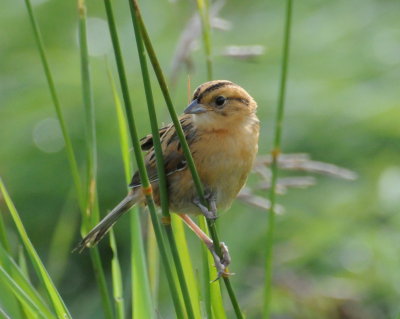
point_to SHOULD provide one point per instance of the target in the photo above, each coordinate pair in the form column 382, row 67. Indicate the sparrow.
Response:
column 222, row 130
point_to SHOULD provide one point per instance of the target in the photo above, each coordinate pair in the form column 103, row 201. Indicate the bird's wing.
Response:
column 174, row 160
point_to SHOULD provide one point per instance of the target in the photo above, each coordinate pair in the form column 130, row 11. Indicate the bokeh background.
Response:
column 337, row 244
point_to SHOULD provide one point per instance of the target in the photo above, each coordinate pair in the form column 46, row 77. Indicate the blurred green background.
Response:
column 337, row 245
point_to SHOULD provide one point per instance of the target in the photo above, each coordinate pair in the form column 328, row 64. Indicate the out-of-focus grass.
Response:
column 336, row 250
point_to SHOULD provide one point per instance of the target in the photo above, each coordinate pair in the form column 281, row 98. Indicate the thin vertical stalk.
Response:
column 68, row 144
column 90, row 215
column 185, row 147
column 209, row 291
column 141, row 298
column 146, row 186
column 203, row 8
column 162, row 179
column 69, row 149
column 274, row 165
column 90, row 126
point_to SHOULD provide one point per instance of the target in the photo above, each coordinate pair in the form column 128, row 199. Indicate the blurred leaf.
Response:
column 41, row 272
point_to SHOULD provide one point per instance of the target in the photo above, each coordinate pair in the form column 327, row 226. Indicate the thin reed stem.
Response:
column 203, row 8
column 98, row 269
column 162, row 179
column 90, row 215
column 274, row 166
column 68, row 144
column 185, row 146
column 146, row 186
column 203, row 11
column 141, row 299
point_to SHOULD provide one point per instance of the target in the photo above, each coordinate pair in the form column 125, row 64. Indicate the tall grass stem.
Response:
column 90, row 215
column 146, row 186
column 182, row 139
column 162, row 179
column 68, row 144
column 274, row 166
column 141, row 299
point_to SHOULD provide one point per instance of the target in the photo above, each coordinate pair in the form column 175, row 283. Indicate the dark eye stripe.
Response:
column 196, row 93
column 211, row 88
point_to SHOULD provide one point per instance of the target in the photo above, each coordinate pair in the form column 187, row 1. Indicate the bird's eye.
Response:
column 220, row 100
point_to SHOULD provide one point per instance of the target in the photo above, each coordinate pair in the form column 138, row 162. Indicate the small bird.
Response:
column 221, row 129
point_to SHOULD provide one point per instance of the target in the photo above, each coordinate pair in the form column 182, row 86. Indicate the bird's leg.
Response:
column 220, row 263
column 210, row 197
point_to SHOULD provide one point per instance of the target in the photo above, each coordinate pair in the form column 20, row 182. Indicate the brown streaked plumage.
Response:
column 222, row 130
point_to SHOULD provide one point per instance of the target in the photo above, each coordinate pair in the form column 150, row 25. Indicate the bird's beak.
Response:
column 195, row 108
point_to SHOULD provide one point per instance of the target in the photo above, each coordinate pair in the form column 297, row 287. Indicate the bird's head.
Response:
column 218, row 104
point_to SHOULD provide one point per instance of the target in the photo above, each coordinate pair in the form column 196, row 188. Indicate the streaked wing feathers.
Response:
column 174, row 160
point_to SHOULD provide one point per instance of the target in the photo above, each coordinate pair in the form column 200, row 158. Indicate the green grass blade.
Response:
column 206, row 288
column 180, row 237
column 13, row 305
column 211, row 292
column 162, row 179
column 58, row 304
column 23, row 265
column 140, row 160
column 90, row 135
column 21, row 295
column 117, row 280
column 214, row 290
column 4, row 315
column 68, row 144
column 153, row 262
column 19, row 276
column 3, row 233
column 122, row 130
column 141, row 298
column 185, row 147
column 203, row 9
column 142, row 303
column 91, row 214
column 274, row 166
column 62, row 239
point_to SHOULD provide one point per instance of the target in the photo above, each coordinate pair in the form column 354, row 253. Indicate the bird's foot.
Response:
column 210, row 197
column 221, row 264
column 209, row 214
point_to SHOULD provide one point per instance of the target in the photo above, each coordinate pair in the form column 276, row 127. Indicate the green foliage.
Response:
column 335, row 252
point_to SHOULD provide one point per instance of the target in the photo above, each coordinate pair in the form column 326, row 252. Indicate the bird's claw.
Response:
column 221, row 264
column 210, row 197
column 209, row 214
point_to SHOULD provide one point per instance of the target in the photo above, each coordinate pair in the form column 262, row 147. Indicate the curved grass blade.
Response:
column 13, row 305
column 58, row 304
column 20, row 279
column 21, row 295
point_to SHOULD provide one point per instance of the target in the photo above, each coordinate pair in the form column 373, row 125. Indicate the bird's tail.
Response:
column 98, row 232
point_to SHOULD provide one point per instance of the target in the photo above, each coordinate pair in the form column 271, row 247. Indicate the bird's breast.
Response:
column 224, row 159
